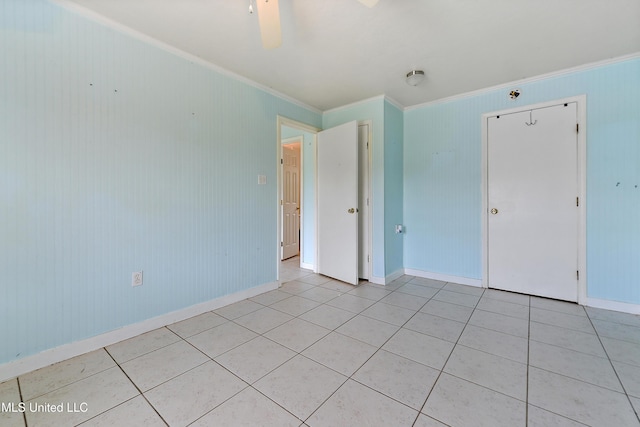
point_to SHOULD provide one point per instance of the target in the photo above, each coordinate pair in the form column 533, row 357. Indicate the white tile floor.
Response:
column 317, row 352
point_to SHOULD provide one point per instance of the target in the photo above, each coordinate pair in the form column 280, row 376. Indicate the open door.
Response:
column 338, row 202
column 290, row 200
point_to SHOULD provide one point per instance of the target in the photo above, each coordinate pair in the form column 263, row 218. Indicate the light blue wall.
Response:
column 369, row 110
column 308, row 192
column 442, row 160
column 393, row 183
column 116, row 156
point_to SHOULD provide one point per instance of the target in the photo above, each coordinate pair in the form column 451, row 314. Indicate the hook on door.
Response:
column 531, row 121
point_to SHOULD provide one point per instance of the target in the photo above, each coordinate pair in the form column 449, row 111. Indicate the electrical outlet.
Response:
column 136, row 278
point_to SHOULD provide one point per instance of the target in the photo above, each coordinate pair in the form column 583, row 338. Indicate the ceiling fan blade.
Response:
column 369, row 3
column 269, row 19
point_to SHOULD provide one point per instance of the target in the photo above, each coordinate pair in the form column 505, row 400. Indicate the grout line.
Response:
column 379, row 347
column 24, row 414
column 615, row 371
column 452, row 350
column 210, row 360
column 66, row 384
column 148, row 352
column 328, row 397
column 350, row 377
column 276, row 403
column 137, row 388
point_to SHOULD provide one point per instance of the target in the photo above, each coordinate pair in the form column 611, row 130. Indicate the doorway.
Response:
column 308, row 215
column 291, row 192
column 290, row 132
column 533, row 216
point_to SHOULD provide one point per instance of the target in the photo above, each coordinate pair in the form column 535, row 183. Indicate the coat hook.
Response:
column 531, row 122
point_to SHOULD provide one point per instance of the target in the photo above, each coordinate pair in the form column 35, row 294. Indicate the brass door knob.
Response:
column 494, row 211
column 352, row 210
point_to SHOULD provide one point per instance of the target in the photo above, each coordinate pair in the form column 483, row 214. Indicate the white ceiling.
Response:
column 336, row 52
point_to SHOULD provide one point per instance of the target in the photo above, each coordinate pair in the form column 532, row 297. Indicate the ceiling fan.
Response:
column 269, row 20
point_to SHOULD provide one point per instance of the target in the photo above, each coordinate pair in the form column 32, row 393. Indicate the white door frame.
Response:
column 284, row 121
column 367, row 172
column 581, row 102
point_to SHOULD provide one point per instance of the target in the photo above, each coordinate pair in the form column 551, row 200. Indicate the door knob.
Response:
column 494, row 211
column 352, row 210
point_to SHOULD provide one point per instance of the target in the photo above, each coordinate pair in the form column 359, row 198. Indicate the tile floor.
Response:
column 317, row 352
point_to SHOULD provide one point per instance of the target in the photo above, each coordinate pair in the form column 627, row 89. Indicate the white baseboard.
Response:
column 393, row 276
column 444, row 277
column 613, row 305
column 48, row 357
column 377, row 280
column 387, row 279
column 307, row 266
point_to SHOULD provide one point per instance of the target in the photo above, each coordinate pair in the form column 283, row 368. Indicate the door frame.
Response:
column 284, row 121
column 295, row 139
column 369, row 225
column 581, row 102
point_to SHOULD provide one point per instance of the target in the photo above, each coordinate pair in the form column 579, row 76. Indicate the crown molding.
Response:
column 355, row 104
column 74, row 7
column 528, row 80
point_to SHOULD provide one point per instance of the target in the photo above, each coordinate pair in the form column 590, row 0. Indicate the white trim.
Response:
column 377, row 280
column 387, row 279
column 369, row 123
column 301, row 199
column 394, row 103
column 444, row 277
column 623, row 307
column 581, row 102
column 516, row 83
column 299, row 139
column 582, row 194
column 102, row 20
column 395, row 275
column 54, row 355
column 355, row 104
column 284, row 121
column 121, row 28
column 306, row 266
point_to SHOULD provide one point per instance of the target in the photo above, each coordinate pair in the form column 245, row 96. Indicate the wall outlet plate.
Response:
column 136, row 278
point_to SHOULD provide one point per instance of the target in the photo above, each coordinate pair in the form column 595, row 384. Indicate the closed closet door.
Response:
column 532, row 190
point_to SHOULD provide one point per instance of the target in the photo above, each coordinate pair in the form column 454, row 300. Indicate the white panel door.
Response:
column 532, row 194
column 338, row 202
column 290, row 200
